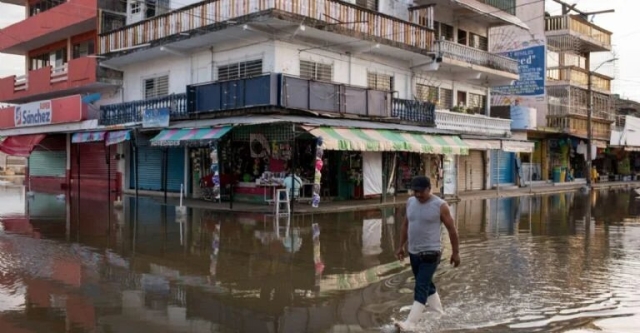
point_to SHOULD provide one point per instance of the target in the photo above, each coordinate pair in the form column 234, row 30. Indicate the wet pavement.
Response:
column 557, row 263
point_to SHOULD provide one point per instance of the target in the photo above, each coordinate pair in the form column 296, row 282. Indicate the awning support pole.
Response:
column 165, row 171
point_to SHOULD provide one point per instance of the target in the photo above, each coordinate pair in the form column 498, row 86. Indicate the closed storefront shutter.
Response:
column 502, row 167
column 93, row 162
column 150, row 169
column 49, row 158
column 44, row 163
column 463, row 170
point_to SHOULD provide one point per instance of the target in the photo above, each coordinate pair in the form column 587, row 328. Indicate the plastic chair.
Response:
column 280, row 193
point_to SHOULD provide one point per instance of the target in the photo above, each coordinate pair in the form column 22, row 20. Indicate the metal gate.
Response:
column 150, row 167
column 502, row 167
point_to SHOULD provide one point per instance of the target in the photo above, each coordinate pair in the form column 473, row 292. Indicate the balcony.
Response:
column 217, row 21
column 413, row 111
column 490, row 13
column 77, row 76
column 472, row 123
column 578, row 77
column 70, row 18
column 477, row 64
column 132, row 112
column 578, row 127
column 556, row 109
column 562, row 31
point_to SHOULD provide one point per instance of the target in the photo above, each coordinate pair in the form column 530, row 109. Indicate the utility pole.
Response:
column 589, row 116
column 589, row 131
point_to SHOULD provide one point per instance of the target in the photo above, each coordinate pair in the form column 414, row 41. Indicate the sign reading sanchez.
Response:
column 33, row 114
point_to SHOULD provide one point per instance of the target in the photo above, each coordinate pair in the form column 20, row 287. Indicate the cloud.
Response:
column 10, row 64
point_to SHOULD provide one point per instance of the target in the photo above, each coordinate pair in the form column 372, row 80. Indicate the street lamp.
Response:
column 589, row 116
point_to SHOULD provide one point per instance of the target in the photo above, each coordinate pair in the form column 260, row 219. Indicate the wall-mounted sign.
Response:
column 156, row 118
column 33, row 114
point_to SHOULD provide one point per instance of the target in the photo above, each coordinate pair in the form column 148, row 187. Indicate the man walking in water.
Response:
column 421, row 228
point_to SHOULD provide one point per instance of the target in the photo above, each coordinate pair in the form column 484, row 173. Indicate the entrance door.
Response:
column 471, row 171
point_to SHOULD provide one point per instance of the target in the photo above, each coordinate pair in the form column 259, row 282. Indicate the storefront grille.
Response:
column 272, row 132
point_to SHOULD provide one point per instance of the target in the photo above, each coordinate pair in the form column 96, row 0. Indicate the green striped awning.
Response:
column 357, row 139
column 172, row 137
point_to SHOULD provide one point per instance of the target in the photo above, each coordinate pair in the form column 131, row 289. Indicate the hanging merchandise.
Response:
column 215, row 172
column 318, row 175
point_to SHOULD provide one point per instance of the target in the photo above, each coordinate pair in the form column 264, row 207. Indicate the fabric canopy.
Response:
column 356, row 139
column 172, row 137
column 87, row 137
column 21, row 145
column 116, row 137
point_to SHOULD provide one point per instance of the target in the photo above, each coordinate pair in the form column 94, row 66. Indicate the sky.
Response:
column 626, row 70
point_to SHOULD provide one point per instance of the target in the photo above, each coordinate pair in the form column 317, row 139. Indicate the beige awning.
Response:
column 482, row 144
column 501, row 17
column 513, row 146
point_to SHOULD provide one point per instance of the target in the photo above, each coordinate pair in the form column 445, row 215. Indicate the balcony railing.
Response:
column 58, row 74
column 472, row 123
column 413, row 111
column 572, row 23
column 478, row 57
column 579, row 77
column 336, row 15
column 132, row 112
column 578, row 127
column 560, row 110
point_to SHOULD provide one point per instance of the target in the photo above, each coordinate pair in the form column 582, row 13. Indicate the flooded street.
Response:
column 560, row 263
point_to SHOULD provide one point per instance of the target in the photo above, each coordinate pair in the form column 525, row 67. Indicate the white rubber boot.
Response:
column 413, row 319
column 434, row 303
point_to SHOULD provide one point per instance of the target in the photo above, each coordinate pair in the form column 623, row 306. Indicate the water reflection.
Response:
column 530, row 264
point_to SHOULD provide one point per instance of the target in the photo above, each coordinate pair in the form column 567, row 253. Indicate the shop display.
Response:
column 315, row 202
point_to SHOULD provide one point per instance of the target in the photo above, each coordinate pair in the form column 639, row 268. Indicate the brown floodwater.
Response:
column 567, row 262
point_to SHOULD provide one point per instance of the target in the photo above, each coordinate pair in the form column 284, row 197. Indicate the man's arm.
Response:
column 404, row 236
column 447, row 220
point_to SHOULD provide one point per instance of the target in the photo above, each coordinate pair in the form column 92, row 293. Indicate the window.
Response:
column 156, row 87
column 380, row 81
column 446, row 99
column 135, row 7
column 462, row 98
column 477, row 102
column 443, row 31
column 316, row 71
column 83, row 49
column 462, row 37
column 240, row 70
column 478, row 42
column 43, row 6
column 54, row 59
column 426, row 93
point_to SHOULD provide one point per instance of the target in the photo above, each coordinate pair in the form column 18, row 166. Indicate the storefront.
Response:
column 47, row 166
column 471, row 171
column 40, row 127
column 94, row 165
column 256, row 159
column 372, row 162
column 173, row 155
column 502, row 168
column 159, row 168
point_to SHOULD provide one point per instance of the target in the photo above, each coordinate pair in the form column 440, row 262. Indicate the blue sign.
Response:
column 520, row 117
column 532, row 70
column 156, row 118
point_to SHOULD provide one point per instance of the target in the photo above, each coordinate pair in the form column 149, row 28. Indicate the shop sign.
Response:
column 33, row 114
column 156, row 118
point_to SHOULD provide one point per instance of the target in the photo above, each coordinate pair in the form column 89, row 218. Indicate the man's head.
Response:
column 421, row 187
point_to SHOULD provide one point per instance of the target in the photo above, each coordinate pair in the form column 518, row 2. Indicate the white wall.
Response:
column 279, row 57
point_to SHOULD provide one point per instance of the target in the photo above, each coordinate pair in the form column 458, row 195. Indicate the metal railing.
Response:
column 478, row 57
column 580, row 26
column 472, row 123
column 132, row 112
column 348, row 16
column 413, row 111
column 560, row 110
column 58, row 74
